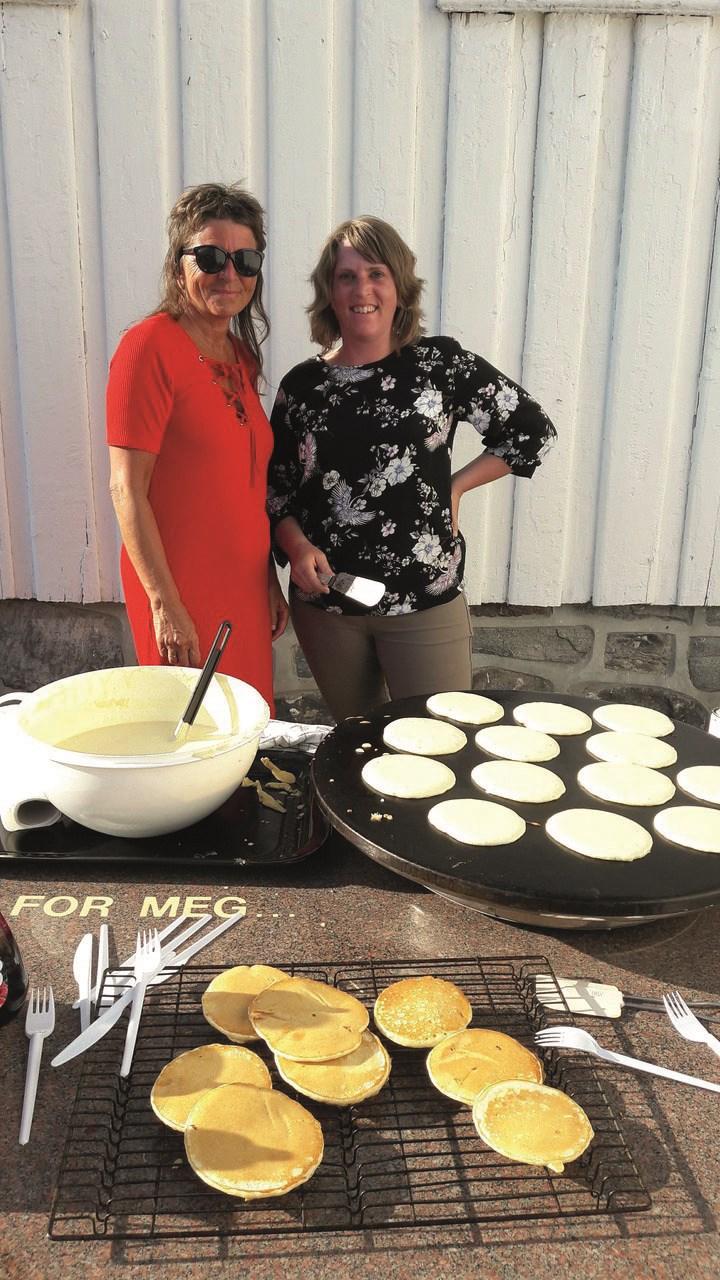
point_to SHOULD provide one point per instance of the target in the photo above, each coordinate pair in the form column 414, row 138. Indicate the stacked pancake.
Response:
column 513, row 1112
column 242, row 1136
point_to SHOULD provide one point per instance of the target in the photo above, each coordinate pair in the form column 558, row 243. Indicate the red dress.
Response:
column 207, row 491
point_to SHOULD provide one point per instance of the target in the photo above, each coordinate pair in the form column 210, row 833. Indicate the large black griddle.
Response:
column 532, row 881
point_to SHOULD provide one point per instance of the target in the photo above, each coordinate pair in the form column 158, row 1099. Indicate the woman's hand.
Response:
column 279, row 612
column 175, row 635
column 310, row 569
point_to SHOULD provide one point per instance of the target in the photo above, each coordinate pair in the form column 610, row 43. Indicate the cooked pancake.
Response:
column 552, row 717
column 409, row 777
column 184, row 1080
column 341, row 1082
column 467, row 708
column 626, row 783
column 479, row 822
column 308, row 1021
column 626, row 717
column 252, row 1142
column 532, row 1123
column 464, row 1064
column 690, row 825
column 595, row 833
column 422, row 736
column 631, row 748
column 515, row 780
column 701, row 781
column 226, row 1001
column 511, row 742
column 420, row 1012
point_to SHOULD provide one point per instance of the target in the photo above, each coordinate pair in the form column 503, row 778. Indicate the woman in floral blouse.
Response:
column 360, row 478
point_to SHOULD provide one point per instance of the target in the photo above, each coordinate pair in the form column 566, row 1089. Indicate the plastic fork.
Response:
column 147, row 956
column 574, row 1038
column 39, row 1023
column 685, row 1022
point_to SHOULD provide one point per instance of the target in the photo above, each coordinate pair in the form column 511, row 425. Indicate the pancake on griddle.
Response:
column 407, row 777
column 532, row 1124
column 628, row 717
column 516, row 780
column 631, row 784
column 597, row 833
column 513, row 742
column 226, row 1001
column 466, row 708
column 308, row 1021
column 693, row 826
column 631, row 748
column 184, row 1080
column 422, row 736
column 552, row 717
column 464, row 1064
column 252, row 1142
column 419, row 1012
column 341, row 1082
column 477, row 822
column 701, row 781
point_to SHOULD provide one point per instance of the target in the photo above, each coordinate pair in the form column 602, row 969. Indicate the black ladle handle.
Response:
column 206, row 675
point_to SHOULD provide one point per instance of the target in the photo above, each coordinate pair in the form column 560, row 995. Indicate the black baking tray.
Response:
column 242, row 832
column 532, row 880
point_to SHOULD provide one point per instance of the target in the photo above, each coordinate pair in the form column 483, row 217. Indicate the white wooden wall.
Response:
column 555, row 168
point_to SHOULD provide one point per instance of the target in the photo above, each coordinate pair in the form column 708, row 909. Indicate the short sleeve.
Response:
column 511, row 423
column 139, row 392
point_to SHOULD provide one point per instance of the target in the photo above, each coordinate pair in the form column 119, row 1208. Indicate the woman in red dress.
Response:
column 190, row 444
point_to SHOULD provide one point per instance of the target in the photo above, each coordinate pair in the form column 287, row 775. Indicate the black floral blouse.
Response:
column 362, row 461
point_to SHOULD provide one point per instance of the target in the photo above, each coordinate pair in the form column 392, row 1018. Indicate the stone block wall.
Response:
column 664, row 657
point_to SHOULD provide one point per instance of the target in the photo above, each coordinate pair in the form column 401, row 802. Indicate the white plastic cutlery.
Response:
column 82, row 973
column 147, row 956
column 686, row 1024
column 39, row 1023
column 116, row 982
column 171, row 959
column 574, row 1038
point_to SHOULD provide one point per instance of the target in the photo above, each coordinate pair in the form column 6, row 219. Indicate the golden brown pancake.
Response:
column 184, row 1080
column 225, row 1002
column 252, row 1142
column 308, row 1021
column 464, row 1064
column 341, row 1082
column 532, row 1124
column 419, row 1012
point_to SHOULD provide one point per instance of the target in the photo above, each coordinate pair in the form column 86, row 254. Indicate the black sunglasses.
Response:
column 211, row 259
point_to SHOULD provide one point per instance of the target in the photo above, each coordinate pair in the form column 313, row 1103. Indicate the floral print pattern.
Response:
column 362, row 461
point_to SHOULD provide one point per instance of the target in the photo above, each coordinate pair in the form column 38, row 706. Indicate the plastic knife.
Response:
column 171, row 959
column 82, row 973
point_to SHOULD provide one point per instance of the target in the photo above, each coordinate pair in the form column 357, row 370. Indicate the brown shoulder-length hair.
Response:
column 192, row 210
column 376, row 241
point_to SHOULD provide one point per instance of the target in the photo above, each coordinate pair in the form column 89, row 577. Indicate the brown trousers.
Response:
column 358, row 662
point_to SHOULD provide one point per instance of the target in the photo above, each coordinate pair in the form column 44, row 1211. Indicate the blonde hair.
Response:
column 191, row 212
column 376, row 241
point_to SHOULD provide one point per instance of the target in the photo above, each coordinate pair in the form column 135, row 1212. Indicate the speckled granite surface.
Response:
column 339, row 906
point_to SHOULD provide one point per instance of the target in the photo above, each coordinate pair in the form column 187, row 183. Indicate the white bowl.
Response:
column 141, row 794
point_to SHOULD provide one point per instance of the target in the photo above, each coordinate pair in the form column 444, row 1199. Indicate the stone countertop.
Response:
column 339, row 906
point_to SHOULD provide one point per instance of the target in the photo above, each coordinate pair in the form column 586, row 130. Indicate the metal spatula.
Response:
column 364, row 591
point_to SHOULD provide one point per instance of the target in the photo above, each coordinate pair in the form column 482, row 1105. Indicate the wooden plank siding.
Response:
column 554, row 167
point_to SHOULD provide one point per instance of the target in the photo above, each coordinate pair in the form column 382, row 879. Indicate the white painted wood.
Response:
column 672, row 8
column 491, row 130
column 659, row 315
column 42, row 243
column 554, row 171
column 385, row 101
column 576, row 216
column 700, row 560
column 300, row 177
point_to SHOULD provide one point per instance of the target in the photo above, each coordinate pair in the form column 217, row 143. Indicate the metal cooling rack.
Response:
column 408, row 1157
